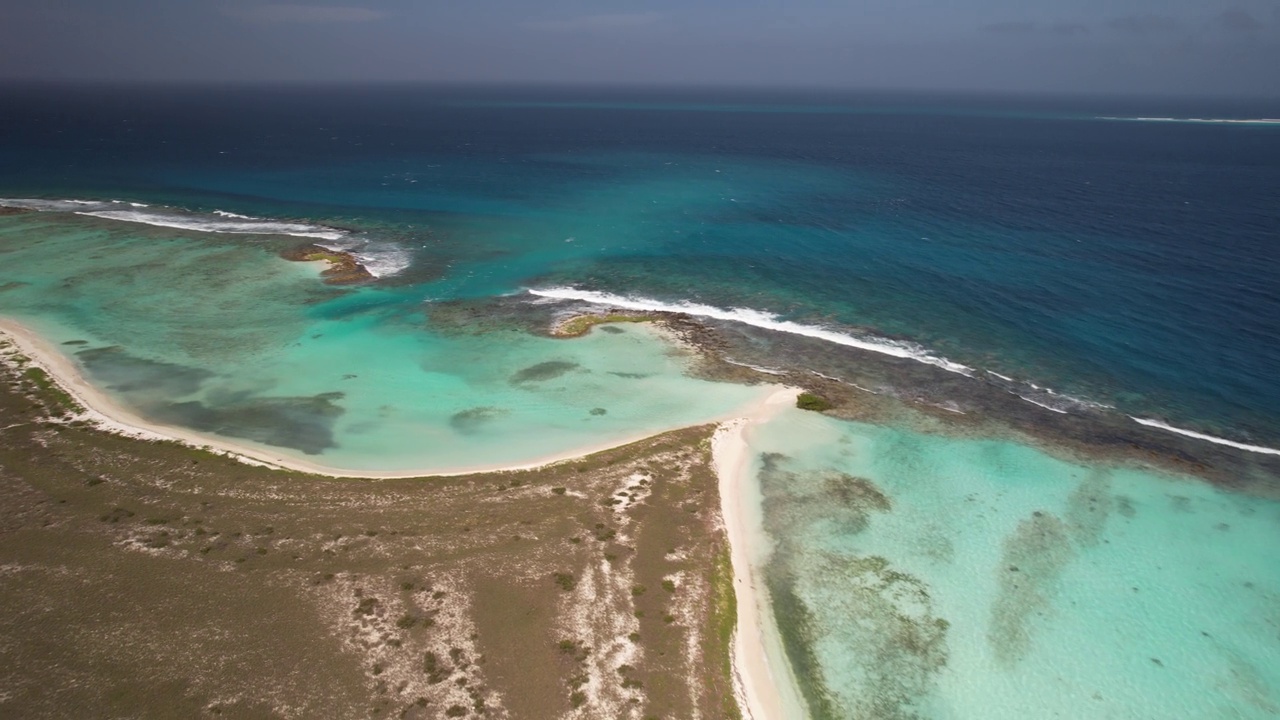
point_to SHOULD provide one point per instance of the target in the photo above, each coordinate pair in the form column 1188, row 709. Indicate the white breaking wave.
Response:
column 169, row 217
column 843, row 382
column 757, row 318
column 381, row 259
column 1046, row 407
column 1207, row 438
column 757, row 368
column 1222, row 121
column 49, row 205
column 204, row 224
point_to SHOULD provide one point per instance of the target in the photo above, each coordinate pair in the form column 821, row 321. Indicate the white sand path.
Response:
column 763, row 678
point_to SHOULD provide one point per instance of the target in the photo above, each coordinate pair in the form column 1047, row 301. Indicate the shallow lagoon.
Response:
column 227, row 339
column 924, row 576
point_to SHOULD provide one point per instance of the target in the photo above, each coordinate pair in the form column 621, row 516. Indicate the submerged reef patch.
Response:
column 473, row 419
column 1089, row 506
column 877, row 621
column 549, row 370
column 1033, row 559
column 844, row 500
column 122, row 372
column 301, row 423
column 863, row 637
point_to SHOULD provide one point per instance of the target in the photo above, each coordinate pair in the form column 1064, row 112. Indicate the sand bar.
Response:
column 762, row 676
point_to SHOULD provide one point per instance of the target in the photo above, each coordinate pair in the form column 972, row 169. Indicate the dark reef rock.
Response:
column 344, row 268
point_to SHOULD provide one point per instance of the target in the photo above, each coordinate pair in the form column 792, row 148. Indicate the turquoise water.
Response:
column 964, row 254
column 226, row 338
column 924, row 576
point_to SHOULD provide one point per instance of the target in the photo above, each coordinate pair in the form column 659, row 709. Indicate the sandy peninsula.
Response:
column 764, row 690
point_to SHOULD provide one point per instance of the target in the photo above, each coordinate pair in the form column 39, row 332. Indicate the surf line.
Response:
column 1207, row 438
column 755, row 318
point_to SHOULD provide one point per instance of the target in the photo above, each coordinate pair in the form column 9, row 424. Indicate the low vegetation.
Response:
column 809, row 401
column 150, row 579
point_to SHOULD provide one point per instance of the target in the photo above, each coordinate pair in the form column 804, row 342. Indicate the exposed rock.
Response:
column 344, row 268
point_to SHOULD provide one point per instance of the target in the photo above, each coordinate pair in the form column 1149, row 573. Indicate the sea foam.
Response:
column 1208, row 121
column 224, row 222
column 1207, row 438
column 756, row 318
column 205, row 224
column 381, row 259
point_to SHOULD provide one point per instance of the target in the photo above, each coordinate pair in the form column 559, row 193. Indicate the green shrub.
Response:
column 809, row 401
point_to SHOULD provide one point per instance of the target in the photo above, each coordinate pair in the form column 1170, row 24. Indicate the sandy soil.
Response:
column 765, row 687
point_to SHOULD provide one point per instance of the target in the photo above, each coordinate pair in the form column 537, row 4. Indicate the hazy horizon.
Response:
column 1174, row 47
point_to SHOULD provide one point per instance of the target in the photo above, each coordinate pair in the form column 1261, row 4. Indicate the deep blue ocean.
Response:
column 1066, row 242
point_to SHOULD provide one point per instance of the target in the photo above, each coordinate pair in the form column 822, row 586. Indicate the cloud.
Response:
column 1237, row 20
column 1069, row 29
column 1010, row 28
column 596, row 22
column 1027, row 28
column 290, row 13
column 1144, row 24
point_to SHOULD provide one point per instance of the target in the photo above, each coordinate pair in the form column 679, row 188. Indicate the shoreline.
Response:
column 759, row 695
column 762, row 676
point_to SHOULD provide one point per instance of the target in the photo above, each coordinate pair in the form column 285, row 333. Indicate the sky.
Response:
column 1230, row 47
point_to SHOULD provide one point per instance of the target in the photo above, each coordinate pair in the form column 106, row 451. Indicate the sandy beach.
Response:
column 762, row 675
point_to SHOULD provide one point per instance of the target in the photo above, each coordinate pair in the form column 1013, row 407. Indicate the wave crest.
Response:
column 381, row 259
column 1262, row 449
column 756, row 318
column 1198, row 121
column 200, row 223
